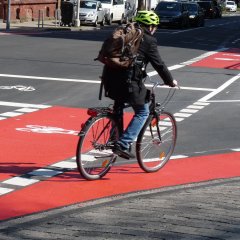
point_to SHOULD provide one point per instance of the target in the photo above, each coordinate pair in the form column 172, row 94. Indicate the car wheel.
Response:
column 109, row 21
column 121, row 21
column 103, row 22
column 203, row 23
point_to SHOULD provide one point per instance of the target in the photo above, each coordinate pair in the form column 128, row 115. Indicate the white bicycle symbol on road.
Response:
column 19, row 87
column 46, row 129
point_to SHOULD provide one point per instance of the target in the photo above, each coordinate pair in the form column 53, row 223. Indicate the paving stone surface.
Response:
column 209, row 210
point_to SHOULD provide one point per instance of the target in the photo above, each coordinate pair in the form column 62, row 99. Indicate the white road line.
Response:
column 201, row 103
column 65, row 164
column 178, row 156
column 219, row 89
column 23, row 105
column 189, row 110
column 223, row 101
column 10, row 114
column 195, row 107
column 185, row 115
column 49, row 78
column 27, row 110
column 98, row 81
column 5, row 190
column 21, row 181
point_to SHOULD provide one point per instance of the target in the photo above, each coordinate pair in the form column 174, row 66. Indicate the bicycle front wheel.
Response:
column 156, row 142
column 94, row 156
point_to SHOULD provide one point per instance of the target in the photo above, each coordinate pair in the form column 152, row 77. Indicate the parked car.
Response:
column 130, row 12
column 196, row 14
column 172, row 13
column 231, row 6
column 211, row 8
column 91, row 12
column 115, row 10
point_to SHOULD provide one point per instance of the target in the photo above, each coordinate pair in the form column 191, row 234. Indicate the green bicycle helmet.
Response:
column 147, row 18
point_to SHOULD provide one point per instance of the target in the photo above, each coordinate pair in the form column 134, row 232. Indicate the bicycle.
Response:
column 154, row 146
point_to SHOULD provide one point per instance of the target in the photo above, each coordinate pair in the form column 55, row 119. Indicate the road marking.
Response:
column 219, row 89
column 227, row 59
column 5, row 190
column 50, row 78
column 23, row 105
column 19, row 88
column 20, row 181
column 223, row 101
column 11, row 114
column 189, row 110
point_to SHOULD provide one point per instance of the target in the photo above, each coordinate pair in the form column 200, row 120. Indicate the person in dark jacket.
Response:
column 118, row 88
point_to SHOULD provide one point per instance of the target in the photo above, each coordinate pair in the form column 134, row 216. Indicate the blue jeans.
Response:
column 141, row 113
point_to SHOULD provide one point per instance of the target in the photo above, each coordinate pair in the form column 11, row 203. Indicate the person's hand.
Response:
column 174, row 83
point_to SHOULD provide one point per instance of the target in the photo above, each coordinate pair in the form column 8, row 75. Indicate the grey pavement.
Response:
column 207, row 210
column 35, row 26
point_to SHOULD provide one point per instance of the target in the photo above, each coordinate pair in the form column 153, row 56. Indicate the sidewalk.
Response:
column 49, row 25
column 206, row 210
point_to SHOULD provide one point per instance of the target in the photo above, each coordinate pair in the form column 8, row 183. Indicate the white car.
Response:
column 91, row 12
column 115, row 10
column 231, row 6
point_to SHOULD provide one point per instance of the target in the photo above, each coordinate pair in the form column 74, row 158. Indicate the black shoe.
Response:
column 122, row 152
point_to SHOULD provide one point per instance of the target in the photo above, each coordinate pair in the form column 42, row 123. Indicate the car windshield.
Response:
column 192, row 7
column 88, row 4
column 168, row 6
column 230, row 3
column 106, row 1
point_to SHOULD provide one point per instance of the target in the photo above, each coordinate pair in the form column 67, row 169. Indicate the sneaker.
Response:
column 122, row 152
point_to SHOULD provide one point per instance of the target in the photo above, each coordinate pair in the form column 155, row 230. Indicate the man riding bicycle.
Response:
column 136, row 94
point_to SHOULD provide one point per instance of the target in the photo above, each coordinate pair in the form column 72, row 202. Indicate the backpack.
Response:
column 120, row 49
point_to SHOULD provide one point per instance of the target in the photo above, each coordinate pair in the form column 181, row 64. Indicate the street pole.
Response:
column 8, row 15
column 77, row 20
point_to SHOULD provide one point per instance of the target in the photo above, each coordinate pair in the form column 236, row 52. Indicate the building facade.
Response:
column 28, row 10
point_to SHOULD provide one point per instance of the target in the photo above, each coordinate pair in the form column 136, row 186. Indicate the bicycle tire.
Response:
column 156, row 141
column 94, row 156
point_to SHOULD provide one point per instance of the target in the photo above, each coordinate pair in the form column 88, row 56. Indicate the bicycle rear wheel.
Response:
column 94, row 156
column 156, row 142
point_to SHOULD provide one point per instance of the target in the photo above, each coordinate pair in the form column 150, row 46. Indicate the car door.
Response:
column 118, row 9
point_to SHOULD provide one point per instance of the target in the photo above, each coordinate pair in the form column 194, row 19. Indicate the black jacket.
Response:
column 115, row 84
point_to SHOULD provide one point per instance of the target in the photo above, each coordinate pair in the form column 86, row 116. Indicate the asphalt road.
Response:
column 48, row 79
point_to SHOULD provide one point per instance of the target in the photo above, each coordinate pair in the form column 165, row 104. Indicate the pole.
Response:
column 77, row 20
column 8, row 15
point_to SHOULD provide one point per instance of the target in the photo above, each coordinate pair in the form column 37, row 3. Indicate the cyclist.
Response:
column 118, row 88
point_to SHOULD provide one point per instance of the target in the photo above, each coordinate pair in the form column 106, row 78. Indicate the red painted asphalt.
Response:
column 69, row 188
column 228, row 59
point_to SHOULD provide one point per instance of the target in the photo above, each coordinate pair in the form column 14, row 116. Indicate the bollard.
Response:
column 40, row 18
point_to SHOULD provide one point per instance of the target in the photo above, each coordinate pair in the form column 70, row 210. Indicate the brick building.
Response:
column 28, row 10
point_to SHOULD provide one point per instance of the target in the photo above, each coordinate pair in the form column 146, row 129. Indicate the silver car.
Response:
column 91, row 12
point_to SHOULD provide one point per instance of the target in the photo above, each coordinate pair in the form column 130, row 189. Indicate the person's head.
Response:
column 148, row 19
